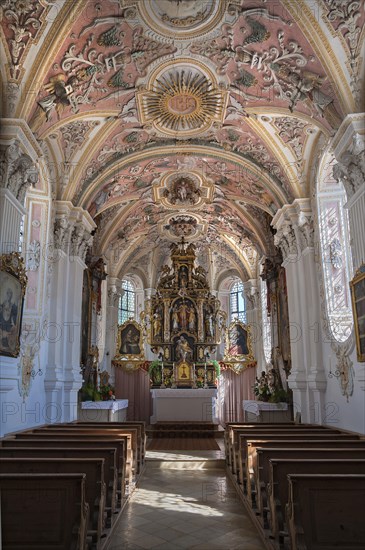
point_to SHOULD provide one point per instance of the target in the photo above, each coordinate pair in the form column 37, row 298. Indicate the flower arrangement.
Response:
column 106, row 392
column 265, row 389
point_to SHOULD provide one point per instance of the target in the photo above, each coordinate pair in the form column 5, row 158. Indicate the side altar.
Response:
column 185, row 323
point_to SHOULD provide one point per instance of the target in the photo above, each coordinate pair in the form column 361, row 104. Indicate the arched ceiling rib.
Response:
column 169, row 119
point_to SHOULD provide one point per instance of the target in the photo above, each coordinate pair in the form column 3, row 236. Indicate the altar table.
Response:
column 104, row 411
column 195, row 405
column 261, row 411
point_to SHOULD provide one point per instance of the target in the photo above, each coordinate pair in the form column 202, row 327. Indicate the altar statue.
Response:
column 183, row 350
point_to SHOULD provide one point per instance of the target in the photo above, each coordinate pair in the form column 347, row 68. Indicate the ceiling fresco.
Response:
column 173, row 118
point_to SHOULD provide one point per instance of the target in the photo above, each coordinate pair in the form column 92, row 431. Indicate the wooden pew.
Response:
column 231, row 427
column 278, row 488
column 326, row 512
column 108, row 429
column 140, row 424
column 129, row 435
column 94, row 483
column 45, row 511
column 108, row 455
column 243, row 463
column 30, row 440
column 264, row 455
column 238, row 435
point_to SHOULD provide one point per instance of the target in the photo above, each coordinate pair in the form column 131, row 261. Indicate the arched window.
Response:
column 335, row 253
column 127, row 302
column 266, row 322
column 237, row 302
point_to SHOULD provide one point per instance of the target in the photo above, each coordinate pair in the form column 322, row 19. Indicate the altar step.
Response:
column 185, row 430
column 187, row 464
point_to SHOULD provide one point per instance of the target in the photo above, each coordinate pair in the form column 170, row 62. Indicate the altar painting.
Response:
column 130, row 342
column 238, row 343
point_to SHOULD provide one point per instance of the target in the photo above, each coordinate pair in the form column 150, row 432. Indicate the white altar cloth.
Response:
column 104, row 411
column 261, row 411
column 197, row 405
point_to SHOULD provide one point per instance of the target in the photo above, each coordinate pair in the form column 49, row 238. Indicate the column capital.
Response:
column 348, row 146
column 18, row 171
column 73, row 228
column 251, row 293
column 115, row 291
column 294, row 226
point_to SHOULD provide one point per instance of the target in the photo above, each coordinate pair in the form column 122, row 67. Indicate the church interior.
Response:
column 182, row 274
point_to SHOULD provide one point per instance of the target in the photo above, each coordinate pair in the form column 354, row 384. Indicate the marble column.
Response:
column 295, row 237
column 72, row 238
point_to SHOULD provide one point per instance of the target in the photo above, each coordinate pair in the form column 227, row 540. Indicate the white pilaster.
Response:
column 72, row 237
column 294, row 225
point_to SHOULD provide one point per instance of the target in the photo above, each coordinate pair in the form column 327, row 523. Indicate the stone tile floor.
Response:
column 182, row 501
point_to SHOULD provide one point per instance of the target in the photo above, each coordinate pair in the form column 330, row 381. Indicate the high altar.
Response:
column 186, row 322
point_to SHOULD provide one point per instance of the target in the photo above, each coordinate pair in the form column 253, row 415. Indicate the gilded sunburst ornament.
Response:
column 183, row 101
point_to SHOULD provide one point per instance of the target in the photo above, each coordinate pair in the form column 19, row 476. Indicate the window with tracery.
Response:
column 335, row 254
column 266, row 323
column 237, row 302
column 127, row 302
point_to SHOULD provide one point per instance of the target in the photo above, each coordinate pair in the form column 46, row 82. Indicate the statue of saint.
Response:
column 183, row 350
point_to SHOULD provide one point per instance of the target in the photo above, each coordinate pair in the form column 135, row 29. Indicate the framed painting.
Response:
column 130, row 341
column 238, row 343
column 357, row 286
column 13, row 281
column 283, row 316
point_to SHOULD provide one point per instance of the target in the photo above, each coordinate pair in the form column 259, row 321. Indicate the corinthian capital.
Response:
column 17, row 170
column 294, row 228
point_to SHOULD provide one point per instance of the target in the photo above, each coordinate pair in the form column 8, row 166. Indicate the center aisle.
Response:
column 185, row 500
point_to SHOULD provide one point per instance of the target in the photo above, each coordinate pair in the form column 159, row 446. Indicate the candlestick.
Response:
column 162, row 377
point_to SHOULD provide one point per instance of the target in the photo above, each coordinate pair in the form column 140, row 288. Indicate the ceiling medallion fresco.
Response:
column 182, row 101
column 175, row 227
column 181, row 191
column 181, row 19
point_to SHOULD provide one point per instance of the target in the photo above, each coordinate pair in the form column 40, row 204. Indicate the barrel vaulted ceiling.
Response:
column 171, row 118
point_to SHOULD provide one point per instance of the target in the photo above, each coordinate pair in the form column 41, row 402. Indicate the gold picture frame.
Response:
column 13, row 282
column 238, row 343
column 130, row 344
column 357, row 287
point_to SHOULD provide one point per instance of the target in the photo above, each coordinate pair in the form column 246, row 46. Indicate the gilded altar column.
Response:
column 200, row 320
column 307, row 379
column 166, row 317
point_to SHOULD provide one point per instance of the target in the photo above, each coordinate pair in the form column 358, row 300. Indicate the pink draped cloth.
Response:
column 135, row 387
column 232, row 391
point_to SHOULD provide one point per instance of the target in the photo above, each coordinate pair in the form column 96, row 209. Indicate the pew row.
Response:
column 94, row 483
column 108, row 455
column 64, row 431
column 326, row 511
column 141, row 435
column 278, row 487
column 61, row 443
column 43, row 511
column 254, row 483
